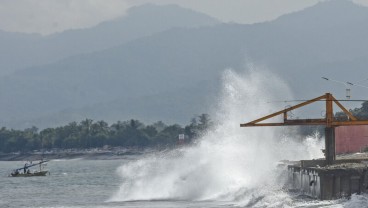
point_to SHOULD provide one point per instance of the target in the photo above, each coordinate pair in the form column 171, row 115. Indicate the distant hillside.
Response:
column 22, row 50
column 171, row 75
column 177, row 106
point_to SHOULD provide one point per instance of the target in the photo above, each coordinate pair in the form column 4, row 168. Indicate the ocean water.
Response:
column 74, row 183
column 228, row 167
column 98, row 184
column 71, row 183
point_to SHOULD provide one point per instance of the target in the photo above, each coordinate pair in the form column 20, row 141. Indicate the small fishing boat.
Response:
column 26, row 172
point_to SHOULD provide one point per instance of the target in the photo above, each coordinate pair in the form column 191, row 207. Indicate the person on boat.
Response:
column 25, row 168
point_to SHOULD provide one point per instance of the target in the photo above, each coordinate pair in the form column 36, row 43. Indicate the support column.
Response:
column 330, row 145
column 329, row 131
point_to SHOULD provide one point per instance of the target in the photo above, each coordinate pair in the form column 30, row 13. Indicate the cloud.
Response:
column 49, row 16
column 361, row 2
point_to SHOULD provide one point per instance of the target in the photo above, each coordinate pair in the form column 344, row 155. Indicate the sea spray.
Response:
column 228, row 163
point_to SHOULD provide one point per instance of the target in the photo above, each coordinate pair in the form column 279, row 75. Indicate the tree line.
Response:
column 130, row 133
column 95, row 134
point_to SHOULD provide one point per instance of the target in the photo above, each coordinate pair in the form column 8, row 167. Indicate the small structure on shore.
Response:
column 329, row 178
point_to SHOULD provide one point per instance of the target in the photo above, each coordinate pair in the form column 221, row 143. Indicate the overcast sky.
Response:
column 49, row 16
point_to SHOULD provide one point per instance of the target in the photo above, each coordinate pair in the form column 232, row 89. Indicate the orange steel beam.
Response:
column 328, row 121
column 301, row 122
column 329, row 110
column 349, row 123
column 348, row 113
column 283, row 111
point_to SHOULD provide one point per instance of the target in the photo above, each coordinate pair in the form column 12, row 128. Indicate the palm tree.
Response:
column 85, row 126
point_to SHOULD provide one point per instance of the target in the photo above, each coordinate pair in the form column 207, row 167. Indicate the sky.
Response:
column 50, row 16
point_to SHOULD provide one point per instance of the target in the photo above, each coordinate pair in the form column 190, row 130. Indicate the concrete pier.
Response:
column 341, row 179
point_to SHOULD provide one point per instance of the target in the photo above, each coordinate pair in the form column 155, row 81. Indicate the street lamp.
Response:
column 355, row 84
column 344, row 83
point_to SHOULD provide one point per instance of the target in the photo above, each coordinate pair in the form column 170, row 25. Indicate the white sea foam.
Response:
column 229, row 163
column 356, row 201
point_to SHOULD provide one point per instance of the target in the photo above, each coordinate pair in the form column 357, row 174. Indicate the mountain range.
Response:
column 168, row 68
column 25, row 50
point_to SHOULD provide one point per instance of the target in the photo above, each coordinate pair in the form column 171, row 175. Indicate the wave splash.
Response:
column 228, row 163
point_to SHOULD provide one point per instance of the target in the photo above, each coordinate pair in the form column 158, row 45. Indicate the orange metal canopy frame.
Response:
column 328, row 121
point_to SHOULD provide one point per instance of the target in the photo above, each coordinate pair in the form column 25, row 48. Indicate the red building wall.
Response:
column 350, row 139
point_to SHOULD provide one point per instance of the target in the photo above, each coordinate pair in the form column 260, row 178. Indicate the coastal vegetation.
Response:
column 95, row 134
column 130, row 133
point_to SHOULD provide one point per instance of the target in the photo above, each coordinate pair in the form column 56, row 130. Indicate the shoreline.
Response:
column 95, row 154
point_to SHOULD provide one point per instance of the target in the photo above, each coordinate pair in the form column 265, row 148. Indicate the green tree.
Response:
column 169, row 136
column 99, row 133
column 47, row 137
column 85, row 126
column 197, row 128
column 133, row 136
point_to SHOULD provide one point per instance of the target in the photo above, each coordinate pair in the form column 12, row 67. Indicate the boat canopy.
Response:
column 31, row 165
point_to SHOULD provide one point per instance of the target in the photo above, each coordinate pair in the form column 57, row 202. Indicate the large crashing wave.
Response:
column 228, row 163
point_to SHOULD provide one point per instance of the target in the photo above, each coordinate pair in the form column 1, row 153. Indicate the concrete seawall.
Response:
column 345, row 177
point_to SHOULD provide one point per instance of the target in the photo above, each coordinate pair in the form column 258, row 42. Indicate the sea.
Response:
column 228, row 166
column 99, row 183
